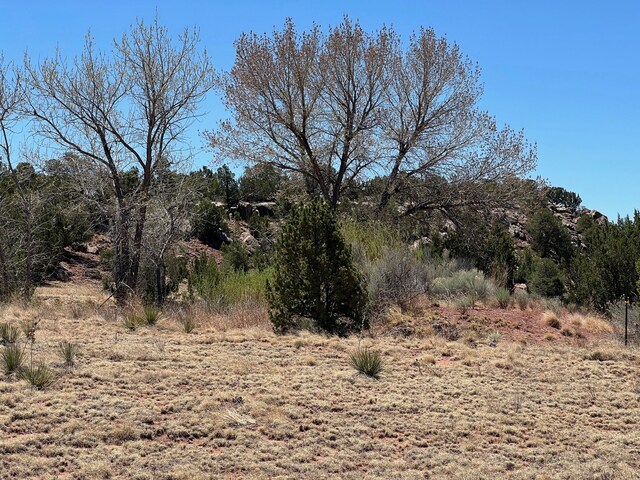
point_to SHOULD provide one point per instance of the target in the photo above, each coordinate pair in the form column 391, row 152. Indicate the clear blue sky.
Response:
column 567, row 72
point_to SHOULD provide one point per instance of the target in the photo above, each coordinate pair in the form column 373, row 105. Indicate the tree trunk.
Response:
column 122, row 254
column 137, row 245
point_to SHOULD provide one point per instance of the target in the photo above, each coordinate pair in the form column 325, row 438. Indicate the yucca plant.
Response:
column 132, row 321
column 151, row 315
column 39, row 376
column 12, row 358
column 9, row 334
column 493, row 338
column 68, row 352
column 367, row 362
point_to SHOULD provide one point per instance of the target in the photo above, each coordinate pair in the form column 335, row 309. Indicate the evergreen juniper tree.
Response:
column 314, row 276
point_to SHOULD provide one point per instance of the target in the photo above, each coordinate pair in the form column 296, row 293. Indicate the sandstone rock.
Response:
column 266, row 209
column 249, row 241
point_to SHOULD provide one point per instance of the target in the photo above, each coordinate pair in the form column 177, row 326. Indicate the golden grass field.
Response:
column 222, row 402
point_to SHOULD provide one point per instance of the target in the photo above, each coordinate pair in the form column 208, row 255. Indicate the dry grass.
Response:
column 224, row 402
column 551, row 319
column 590, row 323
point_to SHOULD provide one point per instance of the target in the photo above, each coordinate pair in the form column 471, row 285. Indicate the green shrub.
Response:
column 235, row 257
column 560, row 196
column 503, row 297
column 260, row 183
column 39, row 376
column 367, row 362
column 464, row 303
column 12, row 358
column 370, row 241
column 546, row 278
column 220, row 289
column 106, row 257
column 314, row 276
column 522, row 299
column 549, row 237
column 68, row 352
column 235, row 287
column 204, row 279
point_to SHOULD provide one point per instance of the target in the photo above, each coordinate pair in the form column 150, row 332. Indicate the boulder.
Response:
column 266, row 209
column 249, row 241
column 62, row 274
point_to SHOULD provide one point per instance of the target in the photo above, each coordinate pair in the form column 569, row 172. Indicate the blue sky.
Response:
column 566, row 72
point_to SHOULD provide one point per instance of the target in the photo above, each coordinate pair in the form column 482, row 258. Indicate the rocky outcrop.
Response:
column 516, row 221
column 246, row 209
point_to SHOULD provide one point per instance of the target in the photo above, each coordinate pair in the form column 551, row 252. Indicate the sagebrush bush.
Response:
column 68, row 352
column 522, row 299
column 464, row 303
column 12, row 358
column 39, row 376
column 367, row 361
column 463, row 282
column 397, row 277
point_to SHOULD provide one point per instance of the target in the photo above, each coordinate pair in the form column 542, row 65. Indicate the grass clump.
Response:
column 551, row 319
column 9, row 334
column 502, row 297
column 12, row 359
column 367, row 362
column 522, row 299
column 151, row 315
column 68, row 352
column 493, row 339
column 464, row 303
column 188, row 324
column 463, row 282
column 132, row 321
column 39, row 376
column 601, row 356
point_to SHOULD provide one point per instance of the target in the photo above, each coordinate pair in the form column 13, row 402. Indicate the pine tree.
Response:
column 314, row 276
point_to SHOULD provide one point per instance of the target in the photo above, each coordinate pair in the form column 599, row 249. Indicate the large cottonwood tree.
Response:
column 128, row 107
column 345, row 105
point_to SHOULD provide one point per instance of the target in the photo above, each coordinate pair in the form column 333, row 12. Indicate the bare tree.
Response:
column 17, row 241
column 125, row 108
column 307, row 103
column 348, row 105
